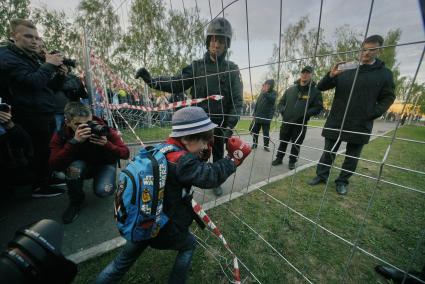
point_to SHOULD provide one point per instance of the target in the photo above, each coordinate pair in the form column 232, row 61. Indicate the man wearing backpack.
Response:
column 210, row 75
column 85, row 147
column 192, row 131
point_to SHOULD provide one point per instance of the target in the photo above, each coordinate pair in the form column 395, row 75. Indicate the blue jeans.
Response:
column 103, row 179
column 59, row 120
column 185, row 245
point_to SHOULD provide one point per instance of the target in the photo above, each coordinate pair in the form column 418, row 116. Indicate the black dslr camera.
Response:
column 98, row 129
column 34, row 256
column 66, row 61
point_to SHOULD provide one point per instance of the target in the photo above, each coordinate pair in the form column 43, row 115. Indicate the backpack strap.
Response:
column 133, row 181
column 155, row 172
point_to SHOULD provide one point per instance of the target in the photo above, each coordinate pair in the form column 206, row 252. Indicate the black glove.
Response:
column 144, row 74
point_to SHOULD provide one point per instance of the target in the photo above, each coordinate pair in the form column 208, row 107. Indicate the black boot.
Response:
column 277, row 161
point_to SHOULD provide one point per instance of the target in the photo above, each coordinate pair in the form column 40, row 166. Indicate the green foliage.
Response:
column 102, row 25
column 162, row 40
column 11, row 9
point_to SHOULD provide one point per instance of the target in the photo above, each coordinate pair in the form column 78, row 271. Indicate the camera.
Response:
column 66, row 61
column 34, row 256
column 4, row 107
column 98, row 129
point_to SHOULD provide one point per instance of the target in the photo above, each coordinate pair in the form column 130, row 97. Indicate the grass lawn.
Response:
column 157, row 133
column 392, row 229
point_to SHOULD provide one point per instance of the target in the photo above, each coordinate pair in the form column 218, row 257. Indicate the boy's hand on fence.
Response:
column 144, row 74
column 237, row 150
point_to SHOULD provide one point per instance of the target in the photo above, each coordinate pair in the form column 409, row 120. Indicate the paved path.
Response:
column 96, row 224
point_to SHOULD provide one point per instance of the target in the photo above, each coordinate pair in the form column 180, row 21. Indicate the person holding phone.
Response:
column 360, row 97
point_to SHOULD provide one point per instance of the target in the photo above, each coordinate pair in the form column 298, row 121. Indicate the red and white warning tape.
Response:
column 206, row 219
column 165, row 107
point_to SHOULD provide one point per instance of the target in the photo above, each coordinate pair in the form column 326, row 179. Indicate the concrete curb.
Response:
column 117, row 242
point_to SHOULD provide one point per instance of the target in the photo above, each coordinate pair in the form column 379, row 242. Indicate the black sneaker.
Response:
column 277, row 161
column 46, row 191
column 71, row 213
column 266, row 148
column 54, row 181
column 291, row 165
column 57, row 179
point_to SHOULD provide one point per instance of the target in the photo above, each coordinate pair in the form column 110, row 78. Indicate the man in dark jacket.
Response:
column 15, row 153
column 211, row 75
column 298, row 104
column 372, row 95
column 84, row 151
column 30, row 97
column 263, row 114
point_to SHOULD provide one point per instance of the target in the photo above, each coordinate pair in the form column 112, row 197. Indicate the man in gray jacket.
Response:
column 299, row 102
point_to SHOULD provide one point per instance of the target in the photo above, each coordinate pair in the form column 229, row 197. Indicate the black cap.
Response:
column 308, row 69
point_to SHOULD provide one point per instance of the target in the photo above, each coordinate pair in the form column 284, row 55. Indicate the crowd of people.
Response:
column 45, row 128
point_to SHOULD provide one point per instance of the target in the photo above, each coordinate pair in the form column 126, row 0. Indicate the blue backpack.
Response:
column 140, row 196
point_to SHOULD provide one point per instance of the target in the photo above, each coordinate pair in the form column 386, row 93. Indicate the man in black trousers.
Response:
column 263, row 114
column 300, row 98
column 371, row 97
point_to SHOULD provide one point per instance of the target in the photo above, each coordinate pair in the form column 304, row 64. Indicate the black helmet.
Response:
column 219, row 27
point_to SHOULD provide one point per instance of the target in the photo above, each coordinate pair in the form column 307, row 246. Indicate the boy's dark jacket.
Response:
column 184, row 171
column 64, row 153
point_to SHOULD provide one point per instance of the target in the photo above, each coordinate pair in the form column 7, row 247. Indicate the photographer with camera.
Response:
column 85, row 147
column 66, row 86
column 29, row 95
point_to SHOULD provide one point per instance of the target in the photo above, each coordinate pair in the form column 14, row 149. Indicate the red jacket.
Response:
column 63, row 153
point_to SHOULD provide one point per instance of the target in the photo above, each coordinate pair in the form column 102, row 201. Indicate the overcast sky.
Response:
column 263, row 21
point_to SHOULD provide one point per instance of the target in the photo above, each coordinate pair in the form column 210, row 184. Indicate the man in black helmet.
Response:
column 211, row 75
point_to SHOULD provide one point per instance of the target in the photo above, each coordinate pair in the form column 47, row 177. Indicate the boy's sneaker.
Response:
column 291, row 165
column 57, row 179
column 46, row 191
column 266, row 148
column 71, row 213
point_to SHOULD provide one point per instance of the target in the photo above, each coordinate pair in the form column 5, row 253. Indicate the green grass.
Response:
column 157, row 133
column 393, row 226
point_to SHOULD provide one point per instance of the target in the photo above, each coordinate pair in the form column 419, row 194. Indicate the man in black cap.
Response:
column 299, row 102
column 263, row 113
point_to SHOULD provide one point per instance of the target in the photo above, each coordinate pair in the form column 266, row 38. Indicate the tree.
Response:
column 102, row 23
column 10, row 9
column 160, row 40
